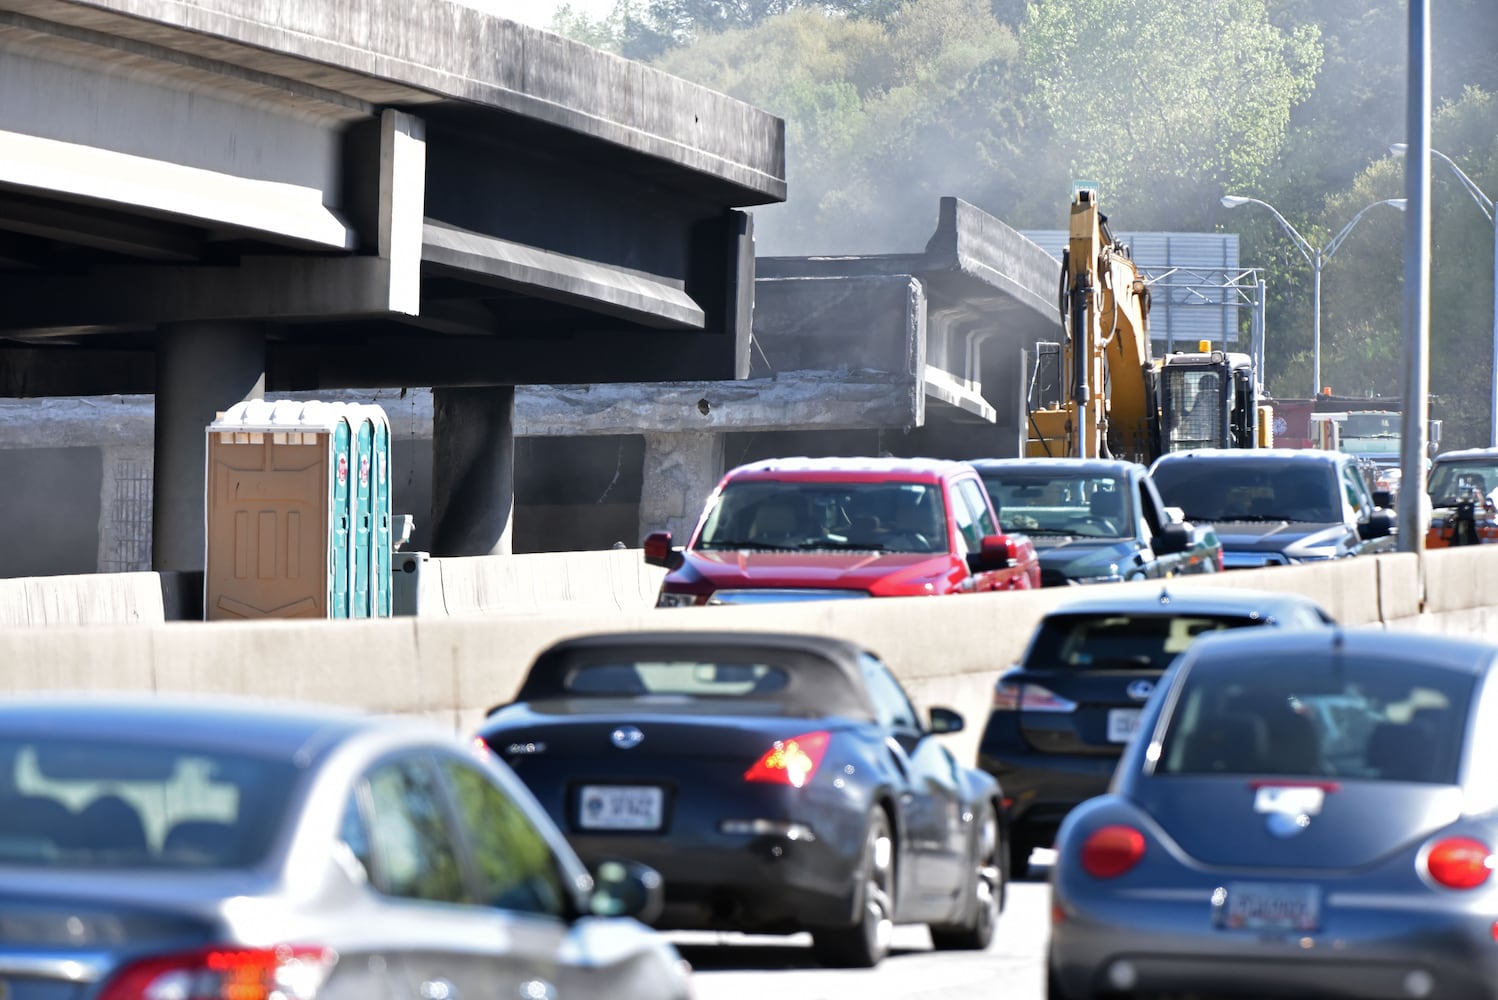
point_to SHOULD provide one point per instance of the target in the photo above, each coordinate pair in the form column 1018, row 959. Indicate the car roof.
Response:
column 1085, row 466
column 265, row 727
column 841, row 692
column 1425, row 650
column 1190, row 601
column 1303, row 455
column 1307, row 455
column 1466, row 454
column 918, row 469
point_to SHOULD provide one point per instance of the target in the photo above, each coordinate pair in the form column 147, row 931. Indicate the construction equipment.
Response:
column 1115, row 400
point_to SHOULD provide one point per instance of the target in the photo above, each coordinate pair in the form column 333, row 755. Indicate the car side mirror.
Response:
column 1384, row 499
column 658, row 550
column 994, row 552
column 1172, row 538
column 627, row 889
column 944, row 720
column 1379, row 525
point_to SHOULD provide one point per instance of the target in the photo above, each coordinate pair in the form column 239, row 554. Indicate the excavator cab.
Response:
column 1208, row 399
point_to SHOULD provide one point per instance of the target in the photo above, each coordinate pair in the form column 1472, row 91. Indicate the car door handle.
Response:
column 438, row 989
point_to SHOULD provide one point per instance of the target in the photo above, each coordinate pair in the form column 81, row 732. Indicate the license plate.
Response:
column 1123, row 723
column 620, row 807
column 1270, row 906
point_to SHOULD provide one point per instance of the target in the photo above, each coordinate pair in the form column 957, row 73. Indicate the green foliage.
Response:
column 1166, row 104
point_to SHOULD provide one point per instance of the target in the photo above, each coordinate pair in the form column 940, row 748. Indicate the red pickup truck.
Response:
column 818, row 528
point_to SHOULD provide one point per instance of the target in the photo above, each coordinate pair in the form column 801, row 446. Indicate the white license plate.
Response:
column 1270, row 906
column 1123, row 723
column 620, row 807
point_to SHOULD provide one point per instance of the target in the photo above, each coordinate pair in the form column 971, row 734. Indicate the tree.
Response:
column 1166, row 105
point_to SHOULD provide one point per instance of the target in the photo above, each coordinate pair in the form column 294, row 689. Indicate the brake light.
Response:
column 792, row 761
column 1110, row 851
column 285, row 972
column 1459, row 862
column 1010, row 696
column 1220, row 563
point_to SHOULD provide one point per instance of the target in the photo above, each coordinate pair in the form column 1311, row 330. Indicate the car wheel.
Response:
column 987, row 892
column 864, row 945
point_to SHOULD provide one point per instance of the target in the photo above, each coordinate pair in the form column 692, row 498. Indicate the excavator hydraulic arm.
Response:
column 1108, row 405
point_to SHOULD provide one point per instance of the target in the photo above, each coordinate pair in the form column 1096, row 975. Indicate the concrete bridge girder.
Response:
column 394, row 195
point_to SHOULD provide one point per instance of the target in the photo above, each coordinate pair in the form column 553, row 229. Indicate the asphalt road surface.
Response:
column 743, row 967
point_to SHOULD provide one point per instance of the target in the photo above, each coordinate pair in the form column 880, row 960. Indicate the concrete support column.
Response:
column 681, row 470
column 473, row 471
column 201, row 370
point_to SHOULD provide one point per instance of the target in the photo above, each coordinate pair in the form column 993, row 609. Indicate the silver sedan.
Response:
column 180, row 849
column 1302, row 814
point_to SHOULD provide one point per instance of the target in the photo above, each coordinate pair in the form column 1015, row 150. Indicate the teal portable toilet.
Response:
column 298, row 511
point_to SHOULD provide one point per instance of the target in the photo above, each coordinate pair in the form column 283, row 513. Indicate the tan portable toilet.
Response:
column 298, row 511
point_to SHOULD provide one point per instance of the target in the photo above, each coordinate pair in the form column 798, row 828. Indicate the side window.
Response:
column 516, row 868
column 411, row 835
column 890, row 702
column 976, row 499
column 1356, row 490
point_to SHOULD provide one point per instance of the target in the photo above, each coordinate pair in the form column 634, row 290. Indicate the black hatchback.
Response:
column 1062, row 716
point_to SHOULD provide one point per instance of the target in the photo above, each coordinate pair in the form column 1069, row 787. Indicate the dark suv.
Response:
column 1062, row 716
column 1277, row 506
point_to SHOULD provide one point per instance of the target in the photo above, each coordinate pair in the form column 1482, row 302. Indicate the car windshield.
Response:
column 1314, row 718
column 1453, row 482
column 1121, row 641
column 80, row 803
column 807, row 516
column 688, row 678
column 1256, row 490
column 1044, row 502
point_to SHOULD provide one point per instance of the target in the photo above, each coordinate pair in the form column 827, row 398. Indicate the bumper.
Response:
column 1142, row 942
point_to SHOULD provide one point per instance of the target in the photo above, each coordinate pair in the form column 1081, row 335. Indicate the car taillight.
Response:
column 285, row 972
column 1459, row 862
column 1220, row 562
column 1010, row 696
column 792, row 761
column 1110, row 851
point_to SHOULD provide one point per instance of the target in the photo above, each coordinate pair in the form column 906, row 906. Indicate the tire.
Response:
column 867, row 941
column 988, row 890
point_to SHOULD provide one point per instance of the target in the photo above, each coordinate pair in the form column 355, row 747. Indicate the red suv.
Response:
column 817, row 528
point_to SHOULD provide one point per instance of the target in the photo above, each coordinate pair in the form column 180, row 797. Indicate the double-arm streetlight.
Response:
column 1486, row 204
column 1317, row 258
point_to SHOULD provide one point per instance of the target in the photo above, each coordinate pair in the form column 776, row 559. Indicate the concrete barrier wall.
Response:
column 451, row 668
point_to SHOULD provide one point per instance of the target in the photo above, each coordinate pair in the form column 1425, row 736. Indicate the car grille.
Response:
column 771, row 595
column 1052, row 578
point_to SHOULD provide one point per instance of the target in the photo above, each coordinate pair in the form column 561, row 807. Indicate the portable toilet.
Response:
column 298, row 511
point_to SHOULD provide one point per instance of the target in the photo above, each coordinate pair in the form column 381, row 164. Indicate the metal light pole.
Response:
column 1415, row 322
column 1486, row 204
column 1317, row 258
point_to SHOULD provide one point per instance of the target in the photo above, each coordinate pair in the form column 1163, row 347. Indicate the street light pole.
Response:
column 1317, row 258
column 1486, row 204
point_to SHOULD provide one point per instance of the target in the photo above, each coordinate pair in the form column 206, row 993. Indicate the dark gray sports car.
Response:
column 779, row 783
column 1305, row 813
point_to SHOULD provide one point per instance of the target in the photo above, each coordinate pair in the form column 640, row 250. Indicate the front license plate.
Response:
column 1123, row 723
column 620, row 807
column 1270, row 906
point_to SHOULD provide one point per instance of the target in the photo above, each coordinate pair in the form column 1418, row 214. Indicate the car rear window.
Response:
column 99, row 804
column 1317, row 718
column 686, row 678
column 1121, row 641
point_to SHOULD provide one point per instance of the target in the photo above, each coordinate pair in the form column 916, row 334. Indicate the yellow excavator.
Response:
column 1117, row 401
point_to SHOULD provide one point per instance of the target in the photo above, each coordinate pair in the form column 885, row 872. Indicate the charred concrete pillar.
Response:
column 473, row 471
column 681, row 470
column 202, row 369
